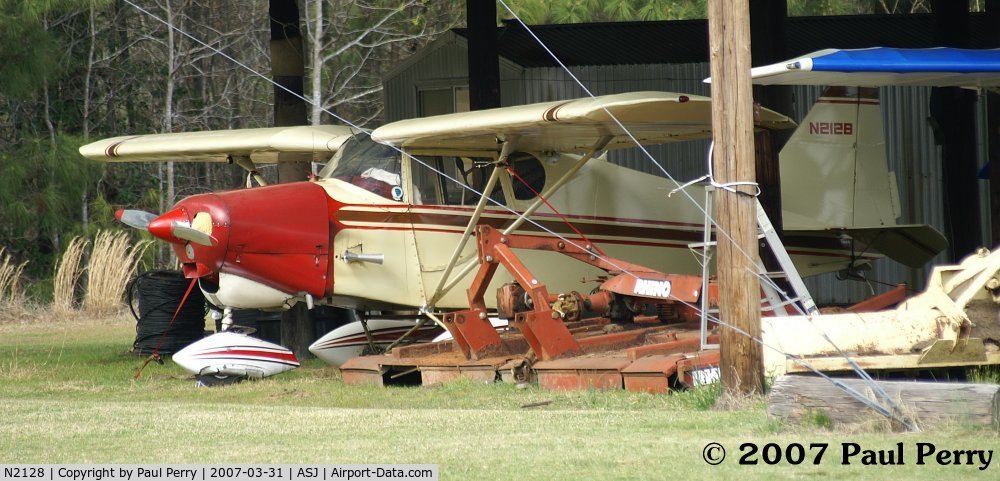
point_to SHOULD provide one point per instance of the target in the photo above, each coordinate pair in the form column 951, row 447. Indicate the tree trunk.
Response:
column 168, row 100
column 87, row 77
column 316, row 67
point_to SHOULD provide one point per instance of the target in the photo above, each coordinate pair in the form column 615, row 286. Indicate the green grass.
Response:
column 984, row 374
column 68, row 396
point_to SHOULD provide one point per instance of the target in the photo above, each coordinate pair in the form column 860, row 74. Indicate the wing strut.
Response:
column 443, row 288
column 248, row 165
column 505, row 152
column 600, row 144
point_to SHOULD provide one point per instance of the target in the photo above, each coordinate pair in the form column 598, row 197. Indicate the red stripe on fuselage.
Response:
column 277, row 355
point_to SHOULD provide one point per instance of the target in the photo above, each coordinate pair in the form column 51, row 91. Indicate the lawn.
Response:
column 68, row 396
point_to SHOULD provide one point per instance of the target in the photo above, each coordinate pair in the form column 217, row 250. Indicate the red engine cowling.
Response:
column 278, row 236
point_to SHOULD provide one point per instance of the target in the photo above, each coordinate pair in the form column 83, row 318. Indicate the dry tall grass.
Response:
column 10, row 280
column 67, row 276
column 113, row 262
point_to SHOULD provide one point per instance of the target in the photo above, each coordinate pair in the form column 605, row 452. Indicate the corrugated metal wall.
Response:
column 684, row 161
column 443, row 64
column 911, row 150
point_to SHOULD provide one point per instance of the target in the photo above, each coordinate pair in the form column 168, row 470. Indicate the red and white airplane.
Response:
column 377, row 229
column 386, row 225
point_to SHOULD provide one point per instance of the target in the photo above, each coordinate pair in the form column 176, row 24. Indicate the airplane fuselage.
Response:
column 284, row 242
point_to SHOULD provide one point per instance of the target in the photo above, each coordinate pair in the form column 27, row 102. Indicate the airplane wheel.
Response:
column 211, row 380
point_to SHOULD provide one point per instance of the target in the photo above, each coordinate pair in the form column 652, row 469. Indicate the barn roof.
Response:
column 686, row 41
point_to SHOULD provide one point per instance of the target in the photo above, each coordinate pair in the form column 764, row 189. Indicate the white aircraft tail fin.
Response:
column 835, row 178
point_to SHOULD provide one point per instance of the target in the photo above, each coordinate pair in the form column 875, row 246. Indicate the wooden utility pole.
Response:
column 288, row 71
column 741, row 362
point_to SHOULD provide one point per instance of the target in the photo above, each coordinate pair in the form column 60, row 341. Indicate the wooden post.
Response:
column 993, row 157
column 768, row 44
column 741, row 362
column 484, row 65
column 954, row 110
column 288, row 70
column 993, row 129
column 768, row 41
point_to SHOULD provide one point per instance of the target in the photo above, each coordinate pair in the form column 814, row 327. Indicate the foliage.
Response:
column 113, row 262
column 75, row 70
column 10, row 279
column 984, row 374
column 28, row 50
column 43, row 186
column 855, row 7
column 350, row 43
column 581, row 11
column 702, row 397
column 68, row 273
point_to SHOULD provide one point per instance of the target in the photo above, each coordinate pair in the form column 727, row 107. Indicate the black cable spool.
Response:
column 159, row 293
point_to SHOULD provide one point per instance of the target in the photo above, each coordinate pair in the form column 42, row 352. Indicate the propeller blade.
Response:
column 191, row 234
column 135, row 218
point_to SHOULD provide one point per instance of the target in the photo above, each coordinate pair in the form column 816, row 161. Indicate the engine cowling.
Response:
column 275, row 240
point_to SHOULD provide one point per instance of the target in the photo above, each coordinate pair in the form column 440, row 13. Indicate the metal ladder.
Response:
column 773, row 296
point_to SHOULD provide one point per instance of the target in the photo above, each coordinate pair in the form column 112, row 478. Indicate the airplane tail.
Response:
column 835, row 179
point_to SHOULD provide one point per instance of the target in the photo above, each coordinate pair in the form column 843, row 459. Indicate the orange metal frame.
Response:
column 543, row 329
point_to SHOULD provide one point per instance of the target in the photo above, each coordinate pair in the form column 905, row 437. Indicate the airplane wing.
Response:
column 567, row 126
column 265, row 145
column 912, row 245
column 871, row 67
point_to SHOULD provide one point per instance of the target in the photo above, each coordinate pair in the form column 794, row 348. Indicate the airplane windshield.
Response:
column 372, row 166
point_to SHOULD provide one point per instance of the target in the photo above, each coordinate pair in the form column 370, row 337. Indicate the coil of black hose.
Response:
column 158, row 293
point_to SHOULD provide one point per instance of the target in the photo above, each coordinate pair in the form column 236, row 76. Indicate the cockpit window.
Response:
column 372, row 166
column 529, row 178
column 453, row 180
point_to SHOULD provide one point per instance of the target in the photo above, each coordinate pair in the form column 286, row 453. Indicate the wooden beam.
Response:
column 953, row 110
column 288, row 71
column 733, row 160
column 799, row 398
column 888, row 362
column 993, row 129
column 484, row 64
column 768, row 19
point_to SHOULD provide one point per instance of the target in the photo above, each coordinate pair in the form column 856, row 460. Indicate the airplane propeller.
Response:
column 137, row 219
column 172, row 227
column 191, row 234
